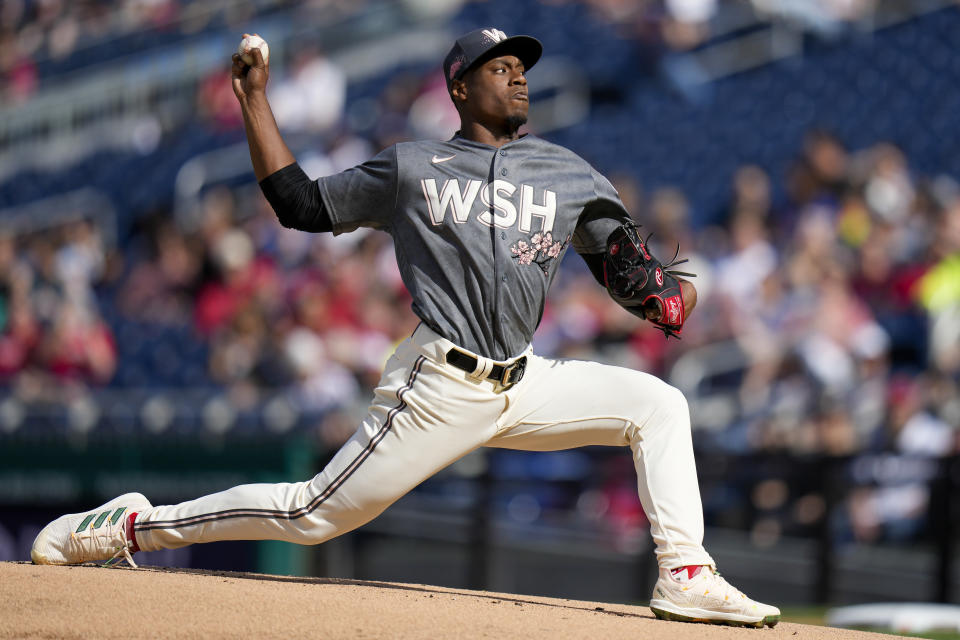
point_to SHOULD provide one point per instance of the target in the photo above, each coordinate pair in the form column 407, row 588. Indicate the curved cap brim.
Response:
column 527, row 48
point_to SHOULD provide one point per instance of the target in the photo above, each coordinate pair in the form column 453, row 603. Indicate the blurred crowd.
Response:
column 843, row 302
column 828, row 320
column 828, row 324
column 53, row 331
column 38, row 38
column 842, row 305
column 279, row 309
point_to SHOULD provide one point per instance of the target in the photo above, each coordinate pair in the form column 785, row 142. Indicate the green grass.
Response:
column 817, row 616
column 804, row 615
column 934, row 635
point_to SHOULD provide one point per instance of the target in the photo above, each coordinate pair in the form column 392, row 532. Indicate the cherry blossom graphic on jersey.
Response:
column 541, row 250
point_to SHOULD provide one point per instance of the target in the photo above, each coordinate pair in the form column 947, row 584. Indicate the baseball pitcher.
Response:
column 480, row 223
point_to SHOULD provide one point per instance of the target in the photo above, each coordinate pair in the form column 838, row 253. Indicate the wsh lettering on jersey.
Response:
column 501, row 196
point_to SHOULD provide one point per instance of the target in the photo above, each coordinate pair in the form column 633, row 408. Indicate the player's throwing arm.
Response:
column 268, row 152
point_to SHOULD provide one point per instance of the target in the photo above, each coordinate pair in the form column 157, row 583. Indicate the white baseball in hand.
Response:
column 253, row 42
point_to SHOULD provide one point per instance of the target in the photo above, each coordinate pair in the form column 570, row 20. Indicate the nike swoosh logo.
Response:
column 438, row 159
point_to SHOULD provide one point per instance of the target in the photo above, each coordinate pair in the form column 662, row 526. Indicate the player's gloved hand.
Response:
column 247, row 79
column 641, row 284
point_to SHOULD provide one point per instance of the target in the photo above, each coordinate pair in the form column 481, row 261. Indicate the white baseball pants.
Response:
column 427, row 414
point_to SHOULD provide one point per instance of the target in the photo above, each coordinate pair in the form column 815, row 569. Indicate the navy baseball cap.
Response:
column 482, row 45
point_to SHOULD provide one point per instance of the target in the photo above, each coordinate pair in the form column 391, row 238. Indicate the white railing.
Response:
column 710, row 409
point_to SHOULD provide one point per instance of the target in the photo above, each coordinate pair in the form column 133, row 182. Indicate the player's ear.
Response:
column 458, row 91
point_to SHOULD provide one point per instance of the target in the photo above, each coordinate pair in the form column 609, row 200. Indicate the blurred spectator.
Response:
column 311, row 98
column 393, row 108
column 688, row 22
column 751, row 261
column 50, row 322
column 837, row 324
column 240, row 349
column 161, row 284
column 320, row 383
column 80, row 260
column 819, row 175
column 939, row 292
column 19, row 74
column 241, row 278
column 21, row 335
column 432, row 114
column 79, row 346
column 751, row 194
column 216, row 103
column 888, row 188
column 895, row 472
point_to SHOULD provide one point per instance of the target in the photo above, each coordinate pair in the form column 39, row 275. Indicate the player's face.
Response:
column 497, row 91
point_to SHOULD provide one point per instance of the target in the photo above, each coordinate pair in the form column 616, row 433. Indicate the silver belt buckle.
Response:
column 513, row 373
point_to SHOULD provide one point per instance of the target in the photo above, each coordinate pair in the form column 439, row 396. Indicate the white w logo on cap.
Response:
column 495, row 34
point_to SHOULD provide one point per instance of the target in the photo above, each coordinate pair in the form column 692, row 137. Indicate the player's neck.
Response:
column 495, row 136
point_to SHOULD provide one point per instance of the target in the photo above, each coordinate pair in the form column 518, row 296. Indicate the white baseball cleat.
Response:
column 707, row 597
column 98, row 535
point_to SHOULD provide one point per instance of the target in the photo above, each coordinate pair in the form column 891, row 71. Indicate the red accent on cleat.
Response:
column 692, row 571
column 131, row 534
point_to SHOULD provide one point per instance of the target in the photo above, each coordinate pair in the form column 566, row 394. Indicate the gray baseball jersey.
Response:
column 479, row 232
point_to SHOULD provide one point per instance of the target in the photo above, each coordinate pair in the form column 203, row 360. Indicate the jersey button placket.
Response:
column 498, row 250
column 500, row 253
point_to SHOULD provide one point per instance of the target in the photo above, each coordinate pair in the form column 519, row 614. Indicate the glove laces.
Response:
column 673, row 261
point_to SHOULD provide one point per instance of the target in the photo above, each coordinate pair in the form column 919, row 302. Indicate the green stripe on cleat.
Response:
column 99, row 522
column 86, row 521
column 116, row 515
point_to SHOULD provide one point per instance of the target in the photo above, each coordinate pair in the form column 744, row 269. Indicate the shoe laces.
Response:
column 90, row 541
column 713, row 583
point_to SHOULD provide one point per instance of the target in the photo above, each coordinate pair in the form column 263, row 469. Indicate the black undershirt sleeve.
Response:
column 595, row 263
column 295, row 199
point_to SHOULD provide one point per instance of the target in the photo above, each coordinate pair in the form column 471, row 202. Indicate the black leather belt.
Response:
column 507, row 376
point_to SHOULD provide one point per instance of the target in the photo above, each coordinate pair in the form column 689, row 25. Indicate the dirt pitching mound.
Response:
column 91, row 602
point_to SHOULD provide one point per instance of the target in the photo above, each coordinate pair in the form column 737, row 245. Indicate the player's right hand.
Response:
column 247, row 79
